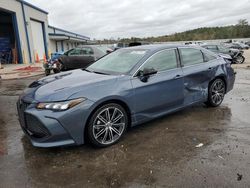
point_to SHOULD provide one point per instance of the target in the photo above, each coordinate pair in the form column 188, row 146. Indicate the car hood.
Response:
column 67, row 85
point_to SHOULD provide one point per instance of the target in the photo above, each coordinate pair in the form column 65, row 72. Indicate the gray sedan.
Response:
column 125, row 88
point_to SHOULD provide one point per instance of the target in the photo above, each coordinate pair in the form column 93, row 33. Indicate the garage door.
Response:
column 38, row 40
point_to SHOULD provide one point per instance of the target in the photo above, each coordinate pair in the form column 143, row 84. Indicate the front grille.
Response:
column 31, row 124
column 25, row 105
column 35, row 128
column 21, row 107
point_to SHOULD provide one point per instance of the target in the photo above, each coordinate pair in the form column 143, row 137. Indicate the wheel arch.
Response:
column 108, row 101
column 222, row 77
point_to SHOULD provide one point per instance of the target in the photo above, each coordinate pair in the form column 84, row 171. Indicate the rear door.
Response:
column 163, row 91
column 198, row 71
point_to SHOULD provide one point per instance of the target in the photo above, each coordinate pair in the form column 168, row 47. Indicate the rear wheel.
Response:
column 216, row 92
column 107, row 125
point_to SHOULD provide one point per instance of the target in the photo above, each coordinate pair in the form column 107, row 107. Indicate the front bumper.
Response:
column 46, row 128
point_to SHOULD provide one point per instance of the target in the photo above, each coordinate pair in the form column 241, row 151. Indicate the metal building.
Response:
column 26, row 36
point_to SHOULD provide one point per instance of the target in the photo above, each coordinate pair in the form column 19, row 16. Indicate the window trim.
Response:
column 168, row 49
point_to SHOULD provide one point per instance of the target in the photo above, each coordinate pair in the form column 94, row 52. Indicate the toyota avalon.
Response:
column 125, row 88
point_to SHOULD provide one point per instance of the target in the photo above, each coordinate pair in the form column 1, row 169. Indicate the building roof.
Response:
column 62, row 37
column 33, row 6
column 68, row 33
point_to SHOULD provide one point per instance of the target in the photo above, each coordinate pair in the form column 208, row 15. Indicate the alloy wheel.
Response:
column 218, row 91
column 108, row 125
column 239, row 60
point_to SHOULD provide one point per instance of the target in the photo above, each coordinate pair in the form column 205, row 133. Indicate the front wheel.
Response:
column 56, row 71
column 240, row 59
column 216, row 92
column 47, row 72
column 107, row 125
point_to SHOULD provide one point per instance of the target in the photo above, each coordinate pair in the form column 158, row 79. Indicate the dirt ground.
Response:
column 161, row 153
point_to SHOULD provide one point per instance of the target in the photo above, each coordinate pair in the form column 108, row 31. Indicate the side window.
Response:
column 208, row 57
column 75, row 51
column 191, row 56
column 87, row 51
column 161, row 61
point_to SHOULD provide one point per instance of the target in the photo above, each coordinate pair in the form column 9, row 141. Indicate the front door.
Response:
column 163, row 91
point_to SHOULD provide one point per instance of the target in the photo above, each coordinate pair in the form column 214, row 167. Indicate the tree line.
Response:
column 240, row 30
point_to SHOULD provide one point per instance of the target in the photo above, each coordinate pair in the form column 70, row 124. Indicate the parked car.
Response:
column 239, row 46
column 247, row 43
column 195, row 43
column 131, row 44
column 125, row 88
column 53, row 63
column 80, row 57
column 237, row 55
column 120, row 45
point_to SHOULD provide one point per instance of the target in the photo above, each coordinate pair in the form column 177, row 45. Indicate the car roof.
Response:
column 157, row 47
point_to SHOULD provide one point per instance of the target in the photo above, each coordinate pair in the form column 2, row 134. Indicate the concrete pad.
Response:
column 14, row 71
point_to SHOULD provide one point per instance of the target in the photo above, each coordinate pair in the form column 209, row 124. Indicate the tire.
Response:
column 56, row 71
column 216, row 92
column 47, row 72
column 107, row 125
column 240, row 59
column 61, row 66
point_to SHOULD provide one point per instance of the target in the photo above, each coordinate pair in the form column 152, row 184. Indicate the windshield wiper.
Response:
column 100, row 73
column 96, row 72
column 87, row 70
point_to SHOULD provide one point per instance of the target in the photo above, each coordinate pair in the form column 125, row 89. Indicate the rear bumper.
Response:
column 46, row 128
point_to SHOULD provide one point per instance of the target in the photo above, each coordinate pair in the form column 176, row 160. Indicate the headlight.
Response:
column 60, row 106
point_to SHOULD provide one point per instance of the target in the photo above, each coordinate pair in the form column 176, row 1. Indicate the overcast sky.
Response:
column 141, row 18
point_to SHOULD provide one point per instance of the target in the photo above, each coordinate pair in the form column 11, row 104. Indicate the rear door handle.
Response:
column 210, row 68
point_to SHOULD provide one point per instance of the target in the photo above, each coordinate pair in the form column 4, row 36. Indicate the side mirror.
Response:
column 146, row 73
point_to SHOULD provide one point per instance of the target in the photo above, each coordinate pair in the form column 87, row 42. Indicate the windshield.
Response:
column 118, row 62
